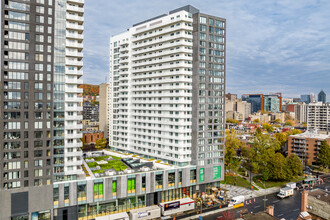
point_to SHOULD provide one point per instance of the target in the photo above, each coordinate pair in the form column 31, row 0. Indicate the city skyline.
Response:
column 281, row 45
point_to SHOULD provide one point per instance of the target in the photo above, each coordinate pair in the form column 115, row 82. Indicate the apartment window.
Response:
column 159, row 181
column 202, row 20
column 40, row 9
column 81, row 191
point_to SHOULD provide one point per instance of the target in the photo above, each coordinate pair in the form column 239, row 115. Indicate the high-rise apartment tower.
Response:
column 167, row 90
column 41, row 61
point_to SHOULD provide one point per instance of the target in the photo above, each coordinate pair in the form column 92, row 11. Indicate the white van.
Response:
column 236, row 202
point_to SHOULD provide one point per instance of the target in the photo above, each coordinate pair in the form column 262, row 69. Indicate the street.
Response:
column 288, row 208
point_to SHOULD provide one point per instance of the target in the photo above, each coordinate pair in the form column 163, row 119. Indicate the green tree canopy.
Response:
column 232, row 144
column 268, row 127
column 294, row 166
column 323, row 157
column 101, row 143
column 256, row 121
column 277, row 167
column 229, row 120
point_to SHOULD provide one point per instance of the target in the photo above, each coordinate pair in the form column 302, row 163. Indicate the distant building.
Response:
column 318, row 116
column 236, row 108
column 306, row 145
column 305, row 98
column 90, row 137
column 89, row 125
column 322, row 97
column 256, row 100
column 90, row 112
column 104, row 106
column 300, row 111
column 272, row 103
column 296, row 100
column 230, row 96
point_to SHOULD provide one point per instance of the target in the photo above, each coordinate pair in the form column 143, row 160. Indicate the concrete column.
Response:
column 304, row 201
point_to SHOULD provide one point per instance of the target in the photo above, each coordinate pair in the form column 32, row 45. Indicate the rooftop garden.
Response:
column 105, row 163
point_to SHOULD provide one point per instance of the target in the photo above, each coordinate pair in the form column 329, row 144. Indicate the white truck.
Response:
column 291, row 185
column 237, row 201
column 285, row 192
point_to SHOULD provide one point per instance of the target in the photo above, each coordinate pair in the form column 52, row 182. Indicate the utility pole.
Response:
column 265, row 199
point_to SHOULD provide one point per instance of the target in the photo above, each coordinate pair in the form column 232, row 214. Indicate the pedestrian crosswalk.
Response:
column 236, row 191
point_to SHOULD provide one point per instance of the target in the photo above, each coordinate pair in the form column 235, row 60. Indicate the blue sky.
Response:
column 272, row 46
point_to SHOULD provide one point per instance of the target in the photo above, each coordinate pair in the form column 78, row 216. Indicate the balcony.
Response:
column 74, row 8
column 77, row 1
column 74, row 63
column 75, row 18
column 76, row 27
column 74, row 45
column 77, row 99
column 74, row 81
column 74, row 72
column 75, row 36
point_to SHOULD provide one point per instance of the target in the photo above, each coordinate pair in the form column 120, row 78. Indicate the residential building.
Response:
column 318, row 116
column 168, row 88
column 322, row 97
column 89, row 125
column 104, row 108
column 41, row 54
column 300, row 111
column 306, row 145
column 256, row 100
column 90, row 112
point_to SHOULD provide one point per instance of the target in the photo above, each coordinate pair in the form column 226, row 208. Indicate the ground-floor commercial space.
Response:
column 104, row 208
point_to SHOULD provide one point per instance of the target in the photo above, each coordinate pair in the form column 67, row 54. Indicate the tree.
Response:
column 232, row 144
column 323, row 157
column 256, row 121
column 294, row 166
column 268, row 127
column 229, row 120
column 101, row 143
column 277, row 121
column 281, row 138
column 277, row 167
column 304, row 124
column 289, row 122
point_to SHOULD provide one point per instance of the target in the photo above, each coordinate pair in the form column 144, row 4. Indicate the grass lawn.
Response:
column 115, row 164
column 239, row 182
column 269, row 184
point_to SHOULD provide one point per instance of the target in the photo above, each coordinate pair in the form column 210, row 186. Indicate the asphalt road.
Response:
column 288, row 208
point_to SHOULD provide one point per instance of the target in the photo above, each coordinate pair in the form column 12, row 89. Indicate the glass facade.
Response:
column 59, row 88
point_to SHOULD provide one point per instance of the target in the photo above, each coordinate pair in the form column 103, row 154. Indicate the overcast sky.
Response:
column 272, row 46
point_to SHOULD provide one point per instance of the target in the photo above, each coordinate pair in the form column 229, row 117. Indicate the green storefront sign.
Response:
column 216, row 172
column 201, row 174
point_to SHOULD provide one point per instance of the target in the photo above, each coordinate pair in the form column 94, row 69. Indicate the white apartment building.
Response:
column 318, row 116
column 167, row 89
column 73, row 97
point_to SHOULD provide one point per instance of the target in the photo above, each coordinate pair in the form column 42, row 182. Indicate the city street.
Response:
column 288, row 208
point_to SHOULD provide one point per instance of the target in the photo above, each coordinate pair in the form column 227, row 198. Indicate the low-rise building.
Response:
column 90, row 137
column 306, row 145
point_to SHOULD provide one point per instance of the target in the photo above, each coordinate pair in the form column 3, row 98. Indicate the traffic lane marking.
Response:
column 256, row 206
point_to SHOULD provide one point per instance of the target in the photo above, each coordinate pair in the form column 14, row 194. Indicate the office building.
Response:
column 40, row 73
column 104, row 108
column 306, row 145
column 167, row 90
column 273, row 103
column 305, row 98
column 322, row 97
column 318, row 116
column 256, row 100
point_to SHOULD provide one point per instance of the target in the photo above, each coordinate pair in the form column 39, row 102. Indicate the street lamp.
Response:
column 265, row 199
